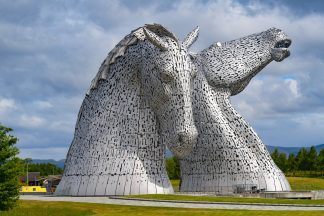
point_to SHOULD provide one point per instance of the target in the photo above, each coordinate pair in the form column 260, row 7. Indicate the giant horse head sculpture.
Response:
column 138, row 103
column 229, row 156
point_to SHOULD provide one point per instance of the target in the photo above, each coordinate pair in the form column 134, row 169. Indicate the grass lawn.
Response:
column 175, row 185
column 229, row 199
column 297, row 183
column 39, row 208
column 302, row 183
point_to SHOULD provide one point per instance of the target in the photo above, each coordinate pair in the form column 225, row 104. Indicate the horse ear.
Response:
column 155, row 39
column 191, row 38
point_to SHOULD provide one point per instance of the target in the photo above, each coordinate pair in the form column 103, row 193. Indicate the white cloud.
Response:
column 44, row 153
column 293, row 87
column 53, row 50
column 7, row 105
column 31, row 121
column 43, row 104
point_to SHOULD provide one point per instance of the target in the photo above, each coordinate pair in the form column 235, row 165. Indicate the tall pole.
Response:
column 27, row 162
column 27, row 175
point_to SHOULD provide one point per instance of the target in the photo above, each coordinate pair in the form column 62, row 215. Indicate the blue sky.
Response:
column 51, row 50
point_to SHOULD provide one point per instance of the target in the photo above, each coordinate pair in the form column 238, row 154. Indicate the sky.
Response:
column 51, row 50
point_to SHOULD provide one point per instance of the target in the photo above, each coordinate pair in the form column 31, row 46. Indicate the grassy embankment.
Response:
column 39, row 208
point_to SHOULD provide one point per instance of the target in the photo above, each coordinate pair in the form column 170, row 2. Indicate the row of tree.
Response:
column 305, row 160
column 45, row 169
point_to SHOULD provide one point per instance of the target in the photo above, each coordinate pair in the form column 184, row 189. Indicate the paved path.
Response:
column 107, row 200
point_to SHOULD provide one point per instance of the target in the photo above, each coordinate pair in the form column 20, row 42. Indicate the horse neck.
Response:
column 207, row 100
column 125, row 104
column 212, row 104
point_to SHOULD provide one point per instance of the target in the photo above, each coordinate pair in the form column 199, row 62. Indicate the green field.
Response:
column 297, row 183
column 38, row 208
column 228, row 199
column 302, row 183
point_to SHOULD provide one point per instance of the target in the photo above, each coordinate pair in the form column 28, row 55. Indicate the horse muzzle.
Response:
column 280, row 50
column 184, row 142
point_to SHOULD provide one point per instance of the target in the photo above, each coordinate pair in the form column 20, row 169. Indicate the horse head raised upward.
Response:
column 138, row 103
column 229, row 156
column 234, row 63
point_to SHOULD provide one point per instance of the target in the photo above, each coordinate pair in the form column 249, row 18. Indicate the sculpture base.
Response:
column 106, row 185
column 235, row 183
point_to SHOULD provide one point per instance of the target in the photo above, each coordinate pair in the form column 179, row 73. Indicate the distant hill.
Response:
column 59, row 163
column 293, row 150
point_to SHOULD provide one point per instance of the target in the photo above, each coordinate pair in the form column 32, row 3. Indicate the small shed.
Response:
column 33, row 179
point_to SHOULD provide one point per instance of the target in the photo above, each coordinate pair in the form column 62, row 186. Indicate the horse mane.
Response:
column 120, row 49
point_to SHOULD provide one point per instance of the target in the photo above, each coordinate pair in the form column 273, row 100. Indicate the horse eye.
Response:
column 193, row 74
column 165, row 77
column 193, row 70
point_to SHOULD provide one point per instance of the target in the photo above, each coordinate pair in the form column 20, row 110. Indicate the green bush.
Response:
column 10, row 169
column 173, row 168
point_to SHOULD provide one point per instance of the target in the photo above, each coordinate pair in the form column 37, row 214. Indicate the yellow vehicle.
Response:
column 32, row 190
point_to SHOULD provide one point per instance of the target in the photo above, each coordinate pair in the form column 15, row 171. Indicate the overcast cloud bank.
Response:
column 51, row 50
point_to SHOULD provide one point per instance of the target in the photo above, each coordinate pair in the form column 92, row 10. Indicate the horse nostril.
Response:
column 184, row 137
column 180, row 138
column 184, row 142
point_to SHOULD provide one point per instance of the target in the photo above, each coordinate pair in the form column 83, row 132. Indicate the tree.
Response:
column 291, row 163
column 280, row 159
column 282, row 162
column 320, row 160
column 10, row 169
column 275, row 156
column 173, row 168
column 45, row 169
column 311, row 158
column 302, row 161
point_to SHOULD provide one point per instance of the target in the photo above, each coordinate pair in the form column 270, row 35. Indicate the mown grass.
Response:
column 228, row 199
column 297, row 183
column 175, row 184
column 302, row 183
column 39, row 208
column 42, row 208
